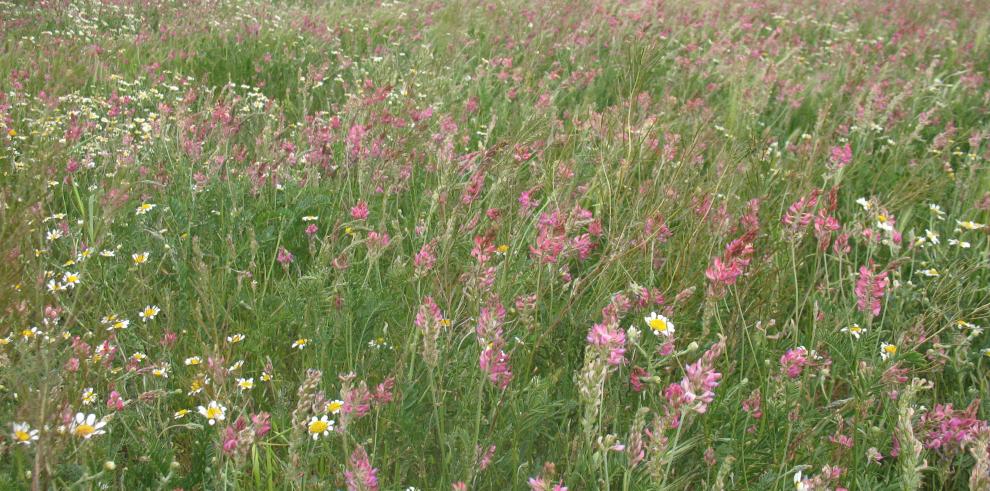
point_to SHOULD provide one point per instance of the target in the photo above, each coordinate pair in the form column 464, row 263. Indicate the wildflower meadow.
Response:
column 494, row 245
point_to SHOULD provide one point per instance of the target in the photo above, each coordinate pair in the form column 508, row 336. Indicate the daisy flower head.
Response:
column 930, row 272
column 29, row 334
column 883, row 222
column 70, row 280
column 118, row 324
column 659, row 324
column 198, row 384
column 86, row 426
column 144, row 208
column 213, row 412
column 193, row 360
column 887, row 351
column 236, row 338
column 140, row 258
column 300, row 343
column 937, row 211
column 245, row 383
column 320, row 426
column 970, row 225
column 161, row 372
column 310, row 218
column 23, row 434
column 88, row 396
column 180, row 414
column 149, row 313
column 333, row 407
column 799, row 482
column 854, row 330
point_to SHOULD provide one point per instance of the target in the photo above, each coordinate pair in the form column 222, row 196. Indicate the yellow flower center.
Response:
column 890, row 349
column 213, row 413
column 658, row 325
column 22, row 436
column 84, row 430
column 333, row 407
column 318, row 426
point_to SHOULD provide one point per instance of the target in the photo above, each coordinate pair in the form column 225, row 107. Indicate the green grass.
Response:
column 643, row 130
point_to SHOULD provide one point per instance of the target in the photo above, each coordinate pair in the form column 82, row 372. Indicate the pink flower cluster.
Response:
column 493, row 361
column 559, row 236
column 794, row 361
column 726, row 270
column 799, row 214
column 948, row 430
column 696, row 391
column 841, row 156
column 360, row 475
column 870, row 289
column 610, row 341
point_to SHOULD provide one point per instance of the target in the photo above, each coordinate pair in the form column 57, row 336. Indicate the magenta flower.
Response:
column 793, row 361
column 115, row 402
column 284, row 257
column 611, row 341
column 359, row 211
column 841, row 156
column 360, row 475
column 870, row 289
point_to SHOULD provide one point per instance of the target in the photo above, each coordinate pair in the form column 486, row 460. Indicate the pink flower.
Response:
column 696, row 390
column 311, row 229
column 726, row 270
column 870, row 289
column 360, row 475
column 262, row 424
column 284, row 257
column 610, row 341
column 377, row 241
column 229, row 440
column 948, row 430
column 752, row 405
column 841, row 156
column 798, row 215
column 495, row 363
column 794, row 361
column 473, row 188
column 824, row 226
column 424, row 259
column 354, row 138
column 359, row 211
column 115, row 402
